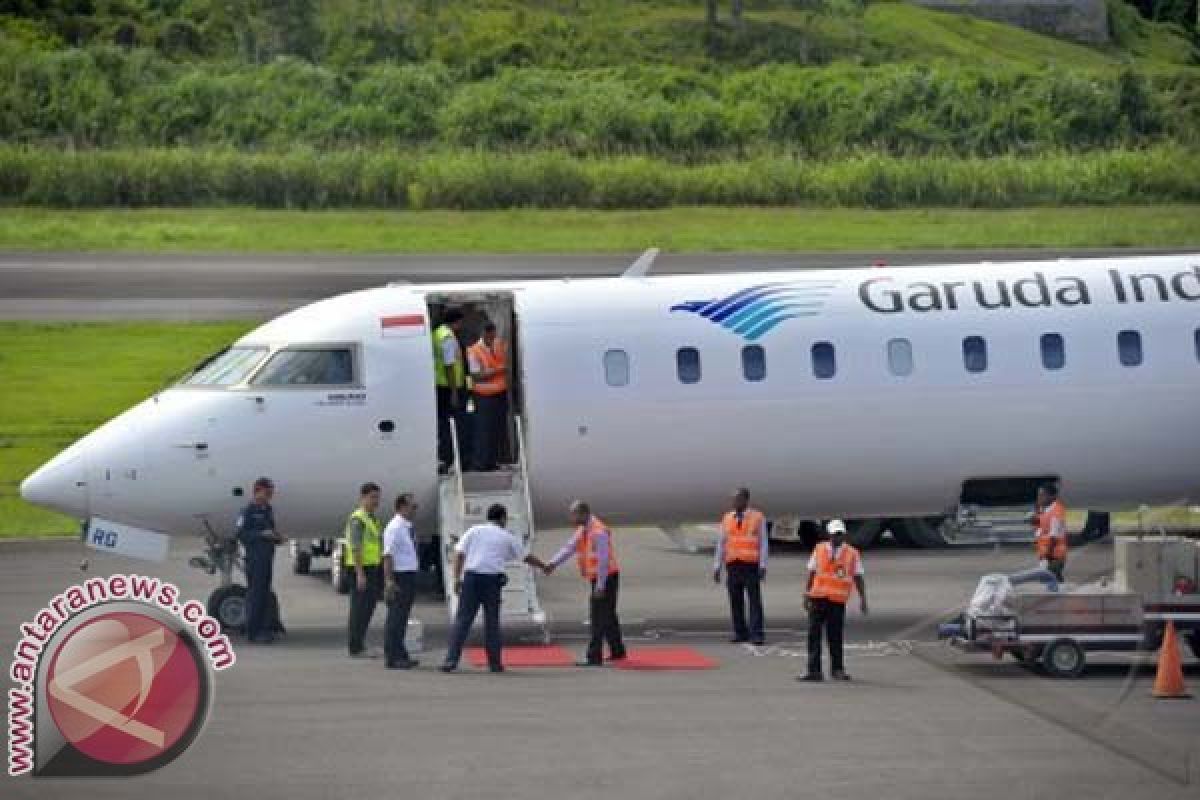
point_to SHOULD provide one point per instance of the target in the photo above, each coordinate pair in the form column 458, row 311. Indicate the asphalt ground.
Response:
column 73, row 286
column 299, row 719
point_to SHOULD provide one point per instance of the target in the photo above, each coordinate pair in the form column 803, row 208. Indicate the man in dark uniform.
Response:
column 257, row 534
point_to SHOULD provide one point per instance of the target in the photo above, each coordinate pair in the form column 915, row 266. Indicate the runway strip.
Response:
column 77, row 286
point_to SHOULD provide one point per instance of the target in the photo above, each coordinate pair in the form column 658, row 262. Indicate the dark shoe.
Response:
column 811, row 677
column 406, row 664
column 738, row 640
column 840, row 675
column 261, row 640
column 758, row 642
column 495, row 669
column 589, row 663
column 448, row 668
column 621, row 656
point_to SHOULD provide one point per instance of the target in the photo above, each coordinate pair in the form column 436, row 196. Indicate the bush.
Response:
column 476, row 179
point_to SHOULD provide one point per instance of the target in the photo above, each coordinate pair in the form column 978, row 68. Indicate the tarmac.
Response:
column 299, row 719
column 75, row 286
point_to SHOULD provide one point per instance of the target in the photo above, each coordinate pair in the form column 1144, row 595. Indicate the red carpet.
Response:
column 536, row 655
column 665, row 658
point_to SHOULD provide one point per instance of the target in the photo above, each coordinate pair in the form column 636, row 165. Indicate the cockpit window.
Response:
column 308, row 366
column 226, row 368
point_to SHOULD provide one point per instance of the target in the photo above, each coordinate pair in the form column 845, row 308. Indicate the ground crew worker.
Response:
column 593, row 549
column 742, row 552
column 488, row 362
column 400, row 582
column 1050, row 522
column 257, row 534
column 834, row 571
column 479, row 561
column 364, row 554
column 450, row 375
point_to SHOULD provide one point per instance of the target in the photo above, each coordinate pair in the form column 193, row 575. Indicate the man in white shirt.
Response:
column 479, row 561
column 400, row 582
column 835, row 571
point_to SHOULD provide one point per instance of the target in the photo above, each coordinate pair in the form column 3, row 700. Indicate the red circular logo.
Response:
column 124, row 688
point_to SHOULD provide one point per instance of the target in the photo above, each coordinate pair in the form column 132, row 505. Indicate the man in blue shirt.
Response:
column 257, row 534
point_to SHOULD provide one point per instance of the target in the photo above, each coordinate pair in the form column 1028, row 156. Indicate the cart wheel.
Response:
column 302, row 563
column 1064, row 658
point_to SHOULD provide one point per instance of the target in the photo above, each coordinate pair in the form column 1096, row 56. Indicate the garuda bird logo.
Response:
column 756, row 310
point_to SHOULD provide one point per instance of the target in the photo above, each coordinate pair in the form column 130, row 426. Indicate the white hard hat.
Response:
column 835, row 526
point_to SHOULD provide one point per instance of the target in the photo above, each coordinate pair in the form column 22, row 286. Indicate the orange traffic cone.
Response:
column 1169, row 680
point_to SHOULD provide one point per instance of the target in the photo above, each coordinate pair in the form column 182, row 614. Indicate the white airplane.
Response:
column 902, row 394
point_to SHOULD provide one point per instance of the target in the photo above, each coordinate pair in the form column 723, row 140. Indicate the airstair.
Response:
column 463, row 501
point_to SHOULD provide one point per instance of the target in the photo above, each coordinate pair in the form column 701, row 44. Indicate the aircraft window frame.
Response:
column 615, row 359
column 823, row 356
column 683, row 370
column 754, row 363
column 1053, row 348
column 257, row 355
column 900, row 357
column 1132, row 354
column 353, row 348
column 975, row 354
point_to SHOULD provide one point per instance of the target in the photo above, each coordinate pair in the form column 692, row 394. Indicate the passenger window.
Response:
column 1198, row 344
column 824, row 360
column 226, row 368
column 754, row 362
column 308, row 366
column 687, row 364
column 1054, row 354
column 1129, row 348
column 900, row 357
column 616, row 368
column 974, row 353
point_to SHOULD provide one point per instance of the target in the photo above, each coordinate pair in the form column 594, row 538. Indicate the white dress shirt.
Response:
column 398, row 543
column 487, row 548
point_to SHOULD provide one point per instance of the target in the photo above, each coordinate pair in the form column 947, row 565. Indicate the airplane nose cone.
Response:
column 60, row 485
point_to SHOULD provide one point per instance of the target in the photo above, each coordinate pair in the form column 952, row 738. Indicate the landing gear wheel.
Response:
column 864, row 533
column 227, row 606
column 1064, row 658
column 302, row 563
column 924, row 533
column 1095, row 528
column 339, row 575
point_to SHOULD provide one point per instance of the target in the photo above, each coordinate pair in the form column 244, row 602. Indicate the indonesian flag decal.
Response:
column 402, row 325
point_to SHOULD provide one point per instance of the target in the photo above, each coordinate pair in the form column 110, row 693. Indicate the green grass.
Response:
column 910, row 33
column 59, row 381
column 675, row 229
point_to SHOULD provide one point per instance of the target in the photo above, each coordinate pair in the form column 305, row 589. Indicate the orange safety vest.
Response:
column 1051, row 548
column 742, row 541
column 834, row 580
column 489, row 358
column 585, row 550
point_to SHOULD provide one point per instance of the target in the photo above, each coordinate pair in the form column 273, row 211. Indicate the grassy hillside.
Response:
column 480, row 36
column 594, row 103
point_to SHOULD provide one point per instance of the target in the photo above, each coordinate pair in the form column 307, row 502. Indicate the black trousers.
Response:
column 602, row 617
column 450, row 414
column 398, row 610
column 743, row 581
column 478, row 590
column 829, row 617
column 260, row 564
column 491, row 430
column 362, row 606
